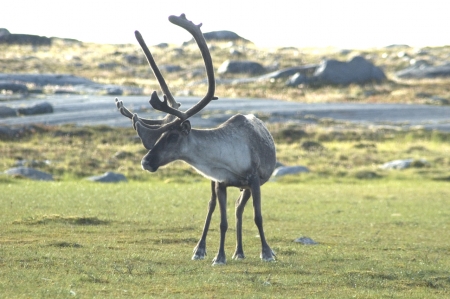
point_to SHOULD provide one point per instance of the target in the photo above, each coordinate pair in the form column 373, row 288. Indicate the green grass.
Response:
column 378, row 239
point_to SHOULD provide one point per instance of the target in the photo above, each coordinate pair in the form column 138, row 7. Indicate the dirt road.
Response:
column 101, row 110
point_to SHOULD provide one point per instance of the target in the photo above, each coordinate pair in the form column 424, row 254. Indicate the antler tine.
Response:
column 123, row 110
column 195, row 31
column 156, row 72
column 127, row 113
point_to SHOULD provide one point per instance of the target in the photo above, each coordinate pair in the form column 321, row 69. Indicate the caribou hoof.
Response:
column 219, row 261
column 199, row 253
column 238, row 256
column 268, row 255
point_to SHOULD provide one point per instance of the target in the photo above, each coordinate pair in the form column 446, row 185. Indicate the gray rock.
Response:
column 13, row 86
column 46, row 79
column 296, row 80
column 133, row 59
column 223, row 35
column 30, row 173
column 40, row 108
column 403, row 164
column 358, row 70
column 108, row 177
column 7, row 111
column 170, row 68
column 108, row 65
column 114, row 91
column 24, row 39
column 4, row 32
column 285, row 170
column 421, row 71
column 305, row 241
column 241, row 67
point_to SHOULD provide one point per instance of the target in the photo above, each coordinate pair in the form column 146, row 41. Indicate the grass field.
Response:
column 381, row 234
column 377, row 239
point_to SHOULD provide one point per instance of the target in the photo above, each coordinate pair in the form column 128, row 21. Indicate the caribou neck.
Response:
column 222, row 160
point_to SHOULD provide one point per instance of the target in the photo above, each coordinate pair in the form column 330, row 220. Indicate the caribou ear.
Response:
column 185, row 127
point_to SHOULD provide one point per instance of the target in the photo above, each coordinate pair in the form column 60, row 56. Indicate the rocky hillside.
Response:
column 396, row 73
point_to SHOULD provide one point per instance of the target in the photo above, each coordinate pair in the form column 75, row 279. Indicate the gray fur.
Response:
column 238, row 153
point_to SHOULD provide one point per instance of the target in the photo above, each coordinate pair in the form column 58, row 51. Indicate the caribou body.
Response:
column 238, row 153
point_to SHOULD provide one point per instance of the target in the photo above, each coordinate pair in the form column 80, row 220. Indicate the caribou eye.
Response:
column 172, row 138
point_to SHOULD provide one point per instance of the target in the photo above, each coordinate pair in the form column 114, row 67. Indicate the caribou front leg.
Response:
column 266, row 253
column 221, row 192
column 240, row 205
column 200, row 249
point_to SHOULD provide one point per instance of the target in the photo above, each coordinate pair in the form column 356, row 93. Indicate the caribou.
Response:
column 238, row 153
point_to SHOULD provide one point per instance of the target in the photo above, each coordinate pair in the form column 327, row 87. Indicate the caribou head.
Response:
column 151, row 130
column 239, row 153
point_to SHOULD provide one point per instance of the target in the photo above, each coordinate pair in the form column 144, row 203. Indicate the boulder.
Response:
column 223, row 35
column 356, row 71
column 108, row 177
column 241, row 67
column 4, row 32
column 6, row 111
column 40, row 108
column 421, row 71
column 403, row 164
column 47, row 79
column 296, row 80
column 285, row 170
column 170, row 68
column 305, row 241
column 13, row 86
column 24, row 39
column 30, row 173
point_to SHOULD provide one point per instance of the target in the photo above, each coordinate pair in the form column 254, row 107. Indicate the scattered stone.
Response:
column 162, row 45
column 223, row 35
column 366, row 175
column 305, row 241
column 170, row 68
column 432, row 99
column 108, row 177
column 312, row 146
column 240, row 67
column 6, row 111
column 108, row 65
column 30, row 173
column 23, row 39
column 421, row 71
column 13, row 86
column 403, row 164
column 365, row 145
column 4, row 32
column 133, row 59
column 358, row 70
column 285, row 170
column 296, row 80
column 114, row 91
column 40, row 108
column 46, row 79
column 288, row 72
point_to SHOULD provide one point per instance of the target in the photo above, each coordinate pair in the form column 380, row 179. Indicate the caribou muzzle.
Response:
column 147, row 165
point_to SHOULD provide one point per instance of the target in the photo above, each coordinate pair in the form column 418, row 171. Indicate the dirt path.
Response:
column 101, row 110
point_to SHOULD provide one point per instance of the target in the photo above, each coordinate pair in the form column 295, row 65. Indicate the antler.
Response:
column 155, row 69
column 198, row 36
column 150, row 130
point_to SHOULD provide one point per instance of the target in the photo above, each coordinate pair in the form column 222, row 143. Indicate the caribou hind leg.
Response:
column 240, row 205
column 221, row 192
column 200, row 249
column 266, row 253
